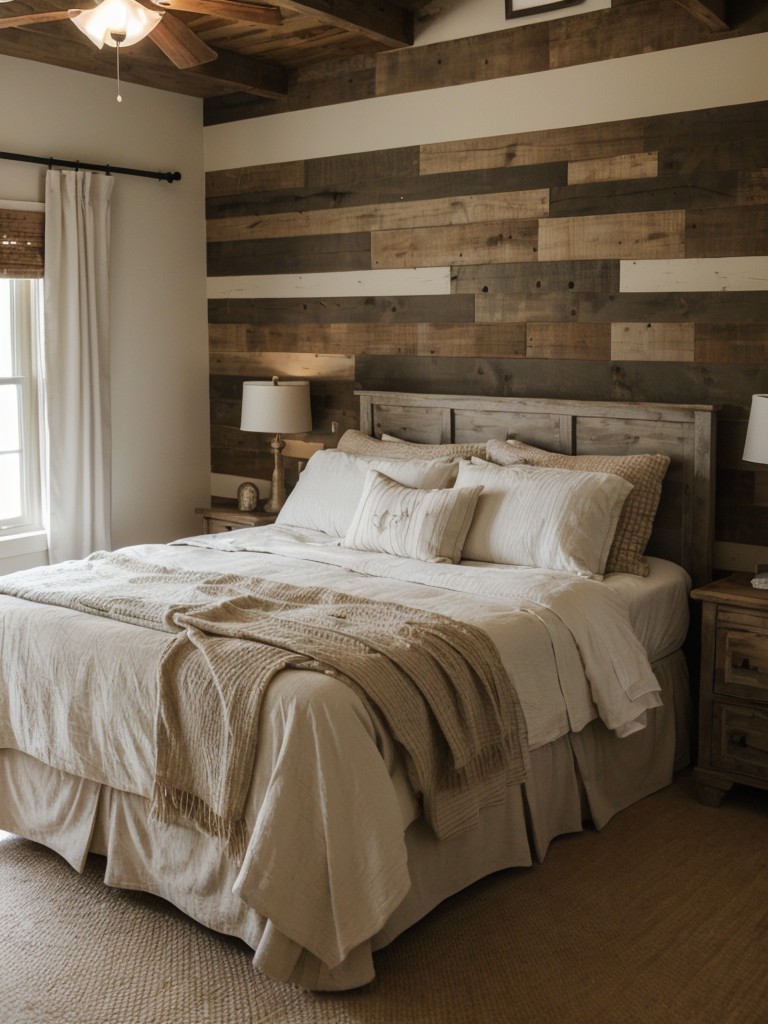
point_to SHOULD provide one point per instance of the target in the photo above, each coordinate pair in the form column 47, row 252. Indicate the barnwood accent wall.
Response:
column 625, row 261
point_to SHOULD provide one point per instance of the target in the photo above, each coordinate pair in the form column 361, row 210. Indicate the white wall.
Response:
column 161, row 451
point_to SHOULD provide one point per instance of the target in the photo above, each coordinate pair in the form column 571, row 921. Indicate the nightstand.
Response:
column 733, row 700
column 223, row 519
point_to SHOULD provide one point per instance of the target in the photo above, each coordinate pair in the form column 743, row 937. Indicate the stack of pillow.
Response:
column 492, row 502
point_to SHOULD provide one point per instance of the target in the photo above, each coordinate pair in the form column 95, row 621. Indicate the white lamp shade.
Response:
column 756, row 445
column 125, row 17
column 276, row 407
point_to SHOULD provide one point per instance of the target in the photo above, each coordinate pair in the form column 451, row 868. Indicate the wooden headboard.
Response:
column 683, row 529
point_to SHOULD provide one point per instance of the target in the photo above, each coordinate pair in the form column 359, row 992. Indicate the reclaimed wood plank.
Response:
column 302, row 365
column 614, row 168
column 753, row 187
column 671, row 307
column 526, row 148
column 653, row 342
column 666, row 192
column 525, row 307
column 737, row 343
column 351, row 169
column 741, row 231
column 517, row 51
column 422, row 339
column 568, row 341
column 507, row 241
column 238, row 180
column 367, row 283
column 562, row 275
column 651, row 235
column 527, row 203
column 344, row 310
column 710, row 140
column 644, row 26
column 630, row 381
column 313, row 254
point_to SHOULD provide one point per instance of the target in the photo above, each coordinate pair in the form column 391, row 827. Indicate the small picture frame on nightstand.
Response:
column 247, row 497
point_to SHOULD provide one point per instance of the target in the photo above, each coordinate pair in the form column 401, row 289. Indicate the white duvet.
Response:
column 596, row 666
column 326, row 864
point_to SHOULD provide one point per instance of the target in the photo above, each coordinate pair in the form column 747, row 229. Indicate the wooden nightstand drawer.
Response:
column 740, row 740
column 742, row 664
column 733, row 690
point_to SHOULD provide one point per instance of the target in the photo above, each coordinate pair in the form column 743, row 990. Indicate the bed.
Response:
column 351, row 821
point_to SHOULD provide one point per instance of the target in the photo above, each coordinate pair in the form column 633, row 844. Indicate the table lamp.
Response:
column 276, row 407
column 756, row 444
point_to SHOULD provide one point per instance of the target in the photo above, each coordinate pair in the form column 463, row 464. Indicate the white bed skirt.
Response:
column 583, row 777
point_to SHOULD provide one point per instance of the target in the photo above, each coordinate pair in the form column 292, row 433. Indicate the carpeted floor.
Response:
column 660, row 919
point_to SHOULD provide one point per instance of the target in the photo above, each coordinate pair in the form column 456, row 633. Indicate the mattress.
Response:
column 657, row 605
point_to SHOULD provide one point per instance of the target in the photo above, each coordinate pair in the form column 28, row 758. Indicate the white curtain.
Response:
column 77, row 383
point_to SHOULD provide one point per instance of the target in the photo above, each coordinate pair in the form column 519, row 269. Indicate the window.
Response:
column 20, row 435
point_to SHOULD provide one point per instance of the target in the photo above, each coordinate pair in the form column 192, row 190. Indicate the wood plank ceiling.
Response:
column 253, row 57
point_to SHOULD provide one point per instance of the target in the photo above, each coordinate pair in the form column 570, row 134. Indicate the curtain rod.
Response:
column 78, row 165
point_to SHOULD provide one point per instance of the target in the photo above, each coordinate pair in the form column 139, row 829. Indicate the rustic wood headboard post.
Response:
column 684, row 525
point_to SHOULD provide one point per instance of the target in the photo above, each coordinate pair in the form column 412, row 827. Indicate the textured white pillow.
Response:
column 549, row 518
column 398, row 520
column 328, row 491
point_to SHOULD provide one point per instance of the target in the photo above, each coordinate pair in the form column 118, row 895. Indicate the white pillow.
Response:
column 328, row 491
column 398, row 520
column 548, row 518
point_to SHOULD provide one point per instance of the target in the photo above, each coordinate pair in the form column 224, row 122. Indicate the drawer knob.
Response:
column 738, row 739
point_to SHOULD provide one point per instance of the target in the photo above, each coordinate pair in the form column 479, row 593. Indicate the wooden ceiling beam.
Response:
column 143, row 65
column 384, row 22
column 253, row 75
column 232, row 10
column 710, row 12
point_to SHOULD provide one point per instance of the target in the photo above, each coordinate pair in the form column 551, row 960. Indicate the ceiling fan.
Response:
column 121, row 23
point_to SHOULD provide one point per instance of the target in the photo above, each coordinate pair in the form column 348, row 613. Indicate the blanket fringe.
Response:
column 173, row 806
column 494, row 758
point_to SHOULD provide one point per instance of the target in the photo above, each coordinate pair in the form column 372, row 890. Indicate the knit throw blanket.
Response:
column 438, row 683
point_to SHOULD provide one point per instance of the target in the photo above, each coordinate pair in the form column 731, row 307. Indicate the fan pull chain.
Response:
column 118, row 36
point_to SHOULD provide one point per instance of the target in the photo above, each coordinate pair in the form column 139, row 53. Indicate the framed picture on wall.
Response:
column 519, row 8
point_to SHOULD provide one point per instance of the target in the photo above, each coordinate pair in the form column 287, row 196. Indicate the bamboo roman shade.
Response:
column 22, row 234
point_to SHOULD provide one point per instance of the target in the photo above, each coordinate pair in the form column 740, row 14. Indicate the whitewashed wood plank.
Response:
column 414, row 281
column 720, row 274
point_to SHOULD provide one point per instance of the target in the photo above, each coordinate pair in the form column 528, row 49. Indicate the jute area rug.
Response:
column 662, row 918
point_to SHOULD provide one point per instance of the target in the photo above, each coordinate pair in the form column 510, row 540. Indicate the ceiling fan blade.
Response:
column 30, row 19
column 180, row 44
column 232, row 10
